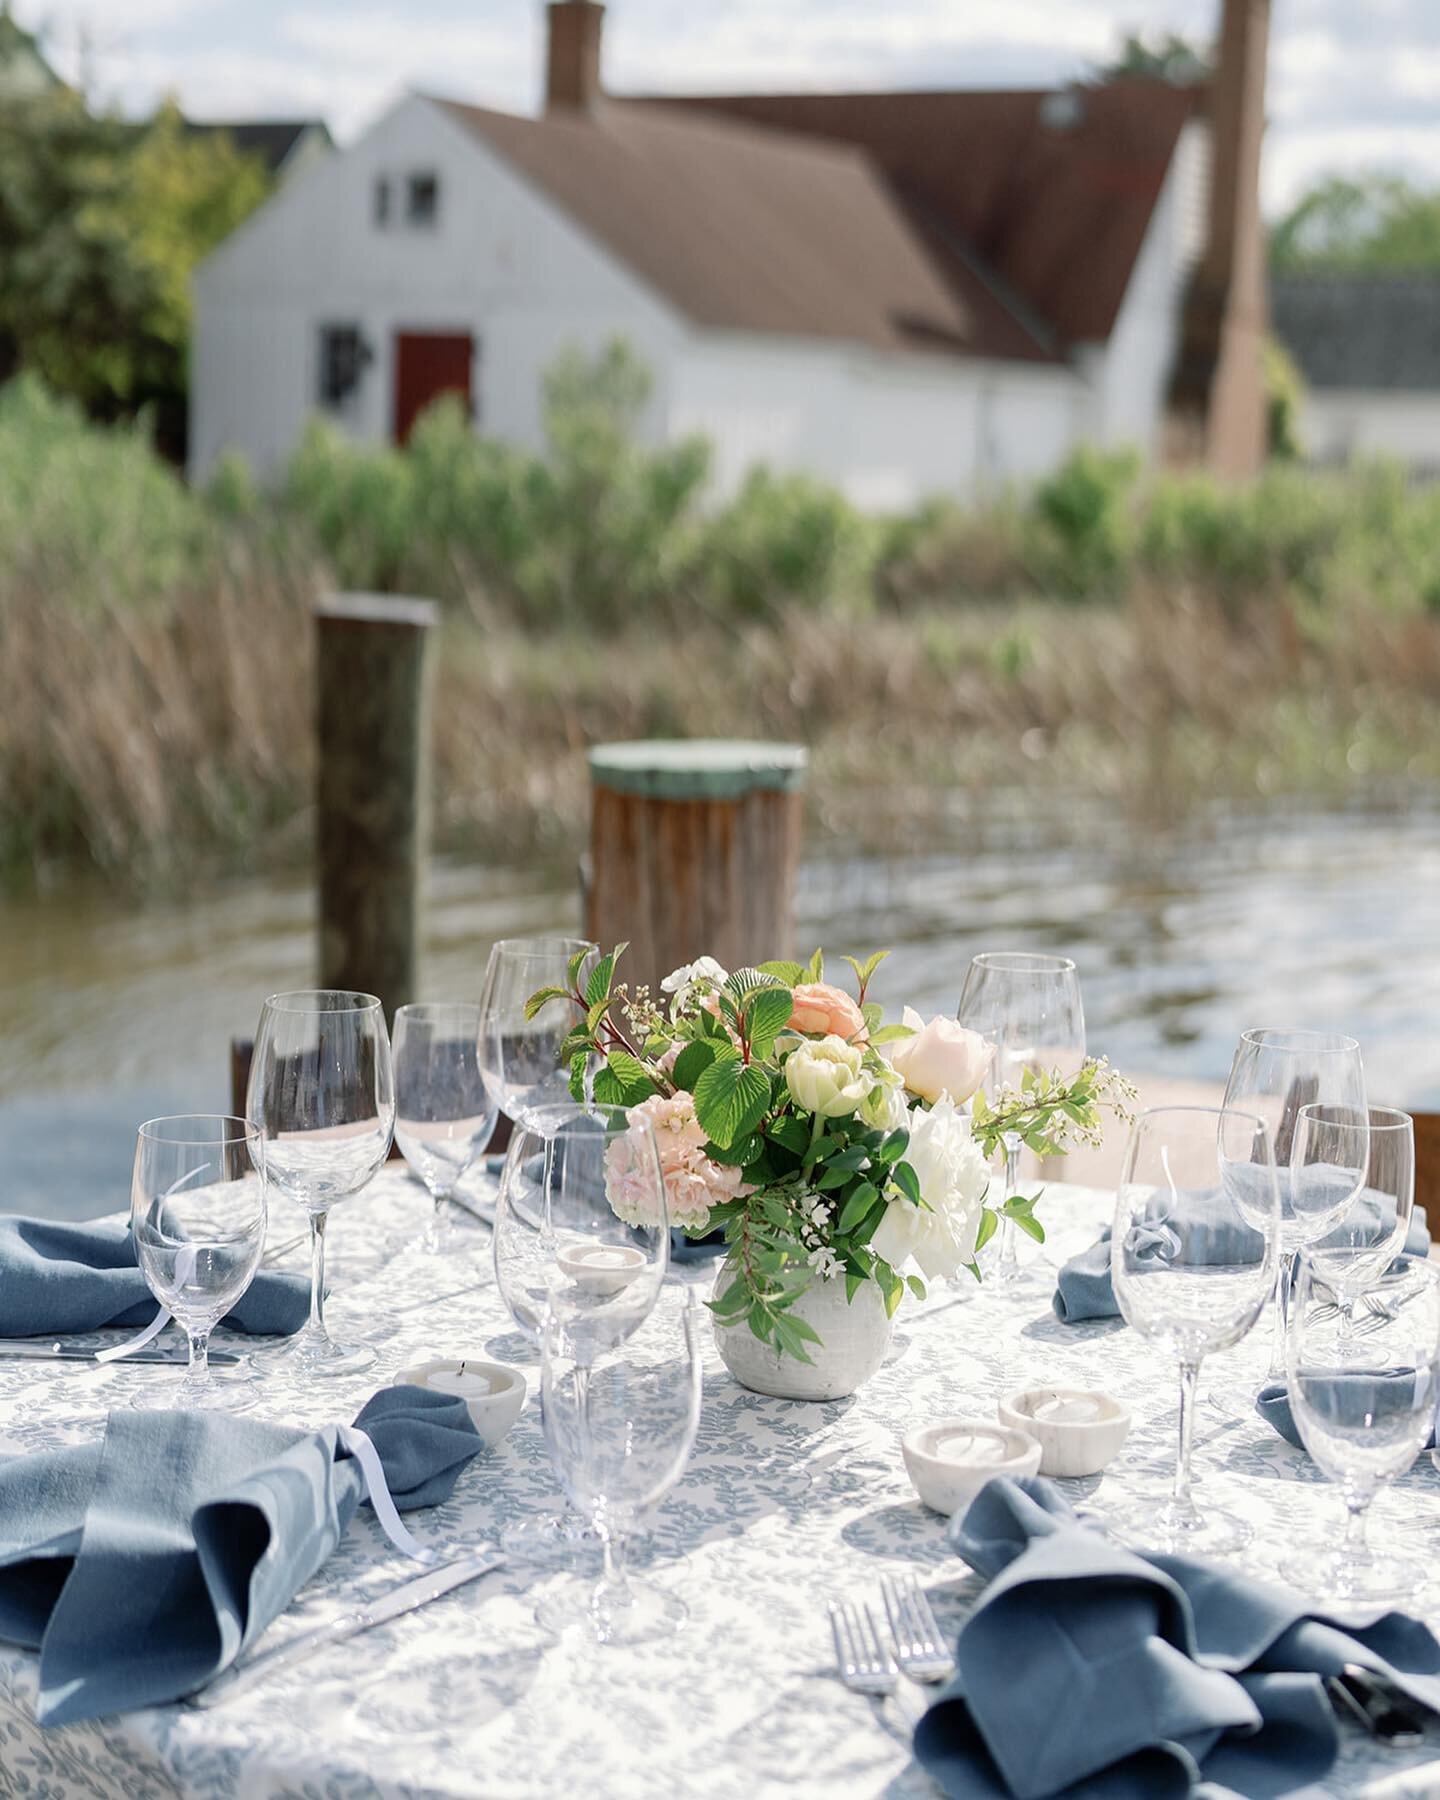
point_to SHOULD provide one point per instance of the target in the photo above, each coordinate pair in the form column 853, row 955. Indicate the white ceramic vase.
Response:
column 854, row 1337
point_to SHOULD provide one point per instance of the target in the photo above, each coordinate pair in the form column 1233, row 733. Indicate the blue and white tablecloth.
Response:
column 785, row 1507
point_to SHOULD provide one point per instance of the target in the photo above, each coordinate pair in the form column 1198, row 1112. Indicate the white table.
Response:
column 784, row 1507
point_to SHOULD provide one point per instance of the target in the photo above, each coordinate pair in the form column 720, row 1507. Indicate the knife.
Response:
column 406, row 1597
column 60, row 1352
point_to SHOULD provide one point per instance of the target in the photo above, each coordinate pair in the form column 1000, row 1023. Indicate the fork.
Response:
column 920, row 1650
column 865, row 1665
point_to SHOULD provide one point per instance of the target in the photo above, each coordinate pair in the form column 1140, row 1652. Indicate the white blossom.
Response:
column 954, row 1178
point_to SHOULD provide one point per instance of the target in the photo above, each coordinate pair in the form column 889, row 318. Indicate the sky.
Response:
column 1353, row 83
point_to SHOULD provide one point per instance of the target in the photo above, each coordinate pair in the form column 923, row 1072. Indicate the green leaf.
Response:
column 893, row 1148
column 577, row 1074
column 789, row 1339
column 577, row 962
column 692, row 1062
column 636, row 1082
column 872, row 1013
column 731, row 1098
column 738, row 1154
column 786, row 1131
column 1030, row 1226
column 768, row 1015
column 598, row 986
column 916, row 1286
column 543, row 998
column 832, row 1178
column 854, row 1157
column 856, row 1207
column 907, row 1181
column 607, row 1089
column 788, row 972
column 989, row 1225
column 891, row 1034
column 853, row 1285
column 744, row 982
column 598, row 1010
column 816, row 971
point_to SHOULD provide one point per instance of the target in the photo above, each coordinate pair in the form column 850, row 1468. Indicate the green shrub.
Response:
column 1079, row 522
column 785, row 540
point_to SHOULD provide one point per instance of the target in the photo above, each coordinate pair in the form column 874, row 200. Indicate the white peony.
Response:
column 954, row 1179
column 828, row 1076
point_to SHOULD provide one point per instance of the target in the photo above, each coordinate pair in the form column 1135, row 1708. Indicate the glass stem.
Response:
column 614, row 1576
column 197, row 1375
column 1279, row 1315
column 1355, row 1549
column 1009, row 1266
column 316, row 1327
column 1181, row 1500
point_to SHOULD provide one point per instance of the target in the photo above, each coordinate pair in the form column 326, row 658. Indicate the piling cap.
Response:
column 697, row 768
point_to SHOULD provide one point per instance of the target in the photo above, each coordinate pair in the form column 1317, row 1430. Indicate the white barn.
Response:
column 902, row 294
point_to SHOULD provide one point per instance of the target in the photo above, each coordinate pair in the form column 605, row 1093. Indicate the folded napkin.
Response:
column 1083, row 1289
column 141, row 1566
column 63, row 1278
column 1087, row 1669
column 1273, row 1401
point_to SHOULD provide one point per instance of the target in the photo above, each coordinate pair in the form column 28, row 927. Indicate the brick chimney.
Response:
column 572, row 76
column 1217, row 398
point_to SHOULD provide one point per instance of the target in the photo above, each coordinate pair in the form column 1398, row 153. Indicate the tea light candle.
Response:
column 978, row 1446
column 601, row 1268
column 952, row 1459
column 1068, row 1409
column 1079, row 1432
column 465, row 1383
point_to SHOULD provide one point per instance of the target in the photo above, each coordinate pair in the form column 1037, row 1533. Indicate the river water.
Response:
column 112, row 1011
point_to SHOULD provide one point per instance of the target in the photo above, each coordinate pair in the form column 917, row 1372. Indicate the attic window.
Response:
column 382, row 200
column 422, row 198
column 343, row 356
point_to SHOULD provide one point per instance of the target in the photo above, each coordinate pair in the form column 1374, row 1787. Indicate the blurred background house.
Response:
column 901, row 294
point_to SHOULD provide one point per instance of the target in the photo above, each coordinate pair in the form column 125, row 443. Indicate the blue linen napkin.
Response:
column 67, row 1278
column 1087, row 1669
column 1083, row 1289
column 141, row 1566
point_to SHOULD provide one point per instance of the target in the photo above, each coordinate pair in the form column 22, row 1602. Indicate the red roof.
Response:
column 1052, row 192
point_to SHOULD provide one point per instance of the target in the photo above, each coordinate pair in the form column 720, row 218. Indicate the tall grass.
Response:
column 1142, row 640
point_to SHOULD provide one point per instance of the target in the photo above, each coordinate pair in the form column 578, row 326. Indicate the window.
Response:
column 422, row 198
column 343, row 358
column 382, row 201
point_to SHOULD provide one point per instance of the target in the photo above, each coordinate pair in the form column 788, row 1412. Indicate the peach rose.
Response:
column 822, row 1008
column 941, row 1058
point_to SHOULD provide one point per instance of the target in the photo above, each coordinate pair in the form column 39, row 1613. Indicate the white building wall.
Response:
column 501, row 262
column 887, row 429
column 1340, row 424
column 1130, row 374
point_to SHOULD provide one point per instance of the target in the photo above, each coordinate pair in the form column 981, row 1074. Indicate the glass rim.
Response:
column 1323, row 1043
column 246, row 1133
column 414, row 1009
column 1377, row 1118
column 1214, row 1112
column 354, row 1001
column 573, row 1112
column 535, row 947
column 1024, row 962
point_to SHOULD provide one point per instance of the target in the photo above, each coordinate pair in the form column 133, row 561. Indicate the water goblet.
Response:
column 1192, row 1275
column 581, row 1230
column 620, row 1425
column 322, row 1095
column 1028, row 1008
column 197, row 1219
column 443, row 1111
column 1372, row 1155
column 520, row 1056
column 1276, row 1072
column 1363, row 1404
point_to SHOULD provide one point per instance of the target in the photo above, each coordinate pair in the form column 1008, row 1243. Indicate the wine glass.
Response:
column 581, row 1231
column 1028, row 1008
column 620, row 1426
column 1275, row 1072
column 520, row 1057
column 1372, row 1155
column 1363, row 1408
column 322, row 1095
column 1192, row 1275
column 443, row 1111
column 197, row 1219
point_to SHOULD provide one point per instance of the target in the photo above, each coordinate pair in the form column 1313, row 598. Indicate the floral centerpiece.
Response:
column 843, row 1156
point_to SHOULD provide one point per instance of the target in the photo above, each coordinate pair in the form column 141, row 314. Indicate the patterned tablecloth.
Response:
column 784, row 1507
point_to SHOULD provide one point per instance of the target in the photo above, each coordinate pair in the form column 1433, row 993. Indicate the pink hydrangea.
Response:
column 693, row 1183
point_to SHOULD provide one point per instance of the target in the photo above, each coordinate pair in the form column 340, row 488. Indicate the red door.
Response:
column 428, row 364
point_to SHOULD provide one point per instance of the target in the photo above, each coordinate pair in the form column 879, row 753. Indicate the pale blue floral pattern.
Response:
column 785, row 1506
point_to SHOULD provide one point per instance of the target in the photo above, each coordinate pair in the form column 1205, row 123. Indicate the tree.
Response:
column 1165, row 56
column 1375, row 222
column 101, row 222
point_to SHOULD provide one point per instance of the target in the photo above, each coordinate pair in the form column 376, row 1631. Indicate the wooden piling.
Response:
column 694, row 847
column 372, row 789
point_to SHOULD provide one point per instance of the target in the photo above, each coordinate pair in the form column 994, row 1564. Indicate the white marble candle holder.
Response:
column 492, row 1392
column 601, row 1268
column 951, row 1460
column 1079, row 1430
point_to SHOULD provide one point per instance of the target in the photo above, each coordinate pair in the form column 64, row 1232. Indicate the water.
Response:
column 111, row 1012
